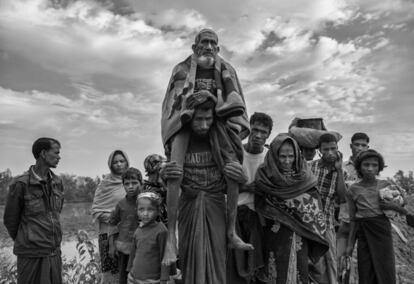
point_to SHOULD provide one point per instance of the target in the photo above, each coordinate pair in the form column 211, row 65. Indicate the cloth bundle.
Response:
column 177, row 107
column 309, row 137
column 308, row 131
column 392, row 193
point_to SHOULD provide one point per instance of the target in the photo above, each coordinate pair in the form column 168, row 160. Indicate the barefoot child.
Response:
column 126, row 219
column 148, row 243
column 369, row 224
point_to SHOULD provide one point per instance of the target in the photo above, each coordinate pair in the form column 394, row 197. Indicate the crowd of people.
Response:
column 215, row 210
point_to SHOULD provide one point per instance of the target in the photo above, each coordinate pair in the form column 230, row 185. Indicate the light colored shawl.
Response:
column 110, row 191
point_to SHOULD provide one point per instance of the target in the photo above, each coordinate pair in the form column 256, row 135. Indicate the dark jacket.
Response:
column 32, row 215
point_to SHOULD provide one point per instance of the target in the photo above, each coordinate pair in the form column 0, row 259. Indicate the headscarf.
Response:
column 110, row 190
column 154, row 197
column 270, row 180
column 153, row 162
column 292, row 200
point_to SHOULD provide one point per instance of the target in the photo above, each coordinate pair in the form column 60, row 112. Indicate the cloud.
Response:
column 82, row 69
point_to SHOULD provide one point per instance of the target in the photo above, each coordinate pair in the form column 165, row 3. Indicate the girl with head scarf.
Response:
column 109, row 192
column 288, row 201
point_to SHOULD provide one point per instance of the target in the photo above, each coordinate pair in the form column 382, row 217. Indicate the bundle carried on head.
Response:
column 308, row 131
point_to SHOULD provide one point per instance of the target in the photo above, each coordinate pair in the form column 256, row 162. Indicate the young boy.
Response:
column 127, row 220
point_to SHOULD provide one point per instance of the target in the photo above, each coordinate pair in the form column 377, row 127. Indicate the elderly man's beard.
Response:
column 205, row 61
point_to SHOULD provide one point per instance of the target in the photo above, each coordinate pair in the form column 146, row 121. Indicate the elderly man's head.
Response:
column 206, row 47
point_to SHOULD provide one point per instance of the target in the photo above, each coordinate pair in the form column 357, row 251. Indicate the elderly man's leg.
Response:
column 179, row 147
column 232, row 196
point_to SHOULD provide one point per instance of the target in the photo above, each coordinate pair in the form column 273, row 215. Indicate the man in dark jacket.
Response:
column 31, row 216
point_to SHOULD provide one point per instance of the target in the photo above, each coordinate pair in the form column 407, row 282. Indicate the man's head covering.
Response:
column 208, row 32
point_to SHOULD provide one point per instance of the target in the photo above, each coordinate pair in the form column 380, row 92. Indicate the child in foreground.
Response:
column 148, row 244
column 126, row 219
column 369, row 224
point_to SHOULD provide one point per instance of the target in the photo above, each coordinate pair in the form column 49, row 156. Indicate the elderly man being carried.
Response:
column 203, row 122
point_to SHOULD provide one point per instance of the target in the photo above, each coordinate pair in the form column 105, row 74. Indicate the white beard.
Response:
column 205, row 61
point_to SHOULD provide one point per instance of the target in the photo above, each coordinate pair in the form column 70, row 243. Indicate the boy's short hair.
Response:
column 360, row 136
column 155, row 198
column 262, row 118
column 43, row 143
column 327, row 138
column 370, row 153
column 132, row 173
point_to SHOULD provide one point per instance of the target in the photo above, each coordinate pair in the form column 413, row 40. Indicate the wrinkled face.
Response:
column 358, row 146
column 329, row 151
column 201, row 122
column 146, row 211
column 51, row 156
column 370, row 168
column 308, row 153
column 206, row 49
column 119, row 164
column 258, row 135
column 132, row 186
column 286, row 157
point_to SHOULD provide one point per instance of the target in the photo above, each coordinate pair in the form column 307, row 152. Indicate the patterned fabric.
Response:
column 326, row 185
column 230, row 100
column 153, row 162
column 350, row 173
column 107, row 263
column 286, row 255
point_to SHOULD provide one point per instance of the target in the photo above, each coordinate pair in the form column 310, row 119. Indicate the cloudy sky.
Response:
column 93, row 73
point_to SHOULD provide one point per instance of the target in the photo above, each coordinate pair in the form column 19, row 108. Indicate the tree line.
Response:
column 77, row 188
column 82, row 188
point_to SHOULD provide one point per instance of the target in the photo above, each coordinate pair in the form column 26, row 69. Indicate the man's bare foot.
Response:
column 236, row 243
column 170, row 253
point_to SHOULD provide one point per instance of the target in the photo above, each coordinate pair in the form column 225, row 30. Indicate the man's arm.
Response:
column 131, row 255
column 353, row 229
column 248, row 187
column 14, row 206
column 340, row 186
column 115, row 217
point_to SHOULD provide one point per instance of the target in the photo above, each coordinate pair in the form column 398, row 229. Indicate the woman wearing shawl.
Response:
column 289, row 202
column 109, row 192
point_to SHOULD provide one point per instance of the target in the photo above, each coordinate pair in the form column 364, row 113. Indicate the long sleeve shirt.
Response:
column 126, row 219
column 147, row 253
